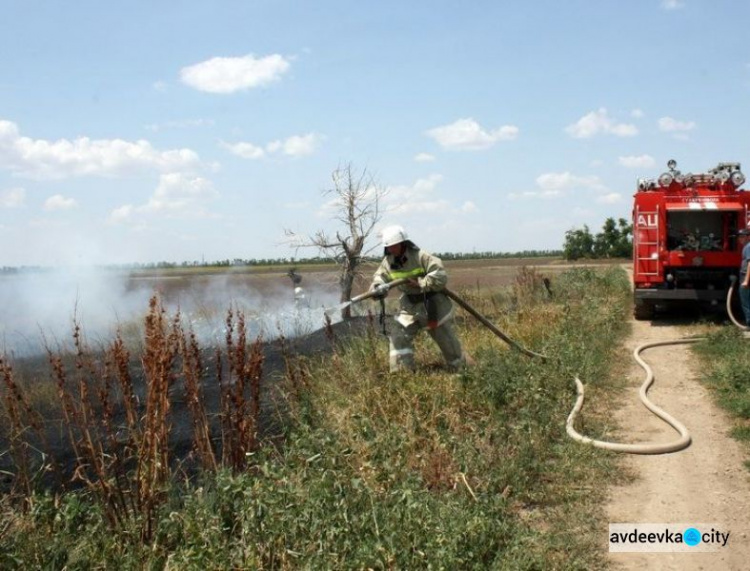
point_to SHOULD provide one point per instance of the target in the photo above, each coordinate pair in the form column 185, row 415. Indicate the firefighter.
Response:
column 422, row 304
column 744, row 274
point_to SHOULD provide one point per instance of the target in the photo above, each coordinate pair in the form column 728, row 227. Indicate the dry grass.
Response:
column 376, row 470
column 121, row 447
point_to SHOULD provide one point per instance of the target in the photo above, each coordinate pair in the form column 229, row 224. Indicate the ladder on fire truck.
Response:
column 646, row 242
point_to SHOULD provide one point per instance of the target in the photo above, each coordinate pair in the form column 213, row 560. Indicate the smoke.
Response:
column 40, row 308
column 269, row 311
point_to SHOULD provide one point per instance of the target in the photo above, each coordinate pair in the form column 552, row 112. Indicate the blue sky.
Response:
column 186, row 130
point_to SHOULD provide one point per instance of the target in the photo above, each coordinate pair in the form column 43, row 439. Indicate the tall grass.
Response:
column 410, row 470
column 118, row 437
column 725, row 364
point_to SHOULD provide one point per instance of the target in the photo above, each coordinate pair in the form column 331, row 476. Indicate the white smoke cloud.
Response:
column 40, row 307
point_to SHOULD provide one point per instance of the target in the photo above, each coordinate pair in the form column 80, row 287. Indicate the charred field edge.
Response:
column 112, row 380
column 353, row 468
column 123, row 425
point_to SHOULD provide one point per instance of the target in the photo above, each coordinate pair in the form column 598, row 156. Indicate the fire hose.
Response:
column 459, row 301
column 684, row 440
column 730, row 311
column 635, row 448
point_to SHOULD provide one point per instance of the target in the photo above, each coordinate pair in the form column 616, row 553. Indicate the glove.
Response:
column 380, row 291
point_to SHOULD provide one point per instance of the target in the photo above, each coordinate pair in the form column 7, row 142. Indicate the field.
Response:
column 307, row 453
column 270, row 280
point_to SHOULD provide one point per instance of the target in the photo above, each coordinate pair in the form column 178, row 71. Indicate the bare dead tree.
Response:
column 355, row 204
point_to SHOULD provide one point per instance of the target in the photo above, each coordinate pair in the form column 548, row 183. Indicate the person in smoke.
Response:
column 422, row 303
column 744, row 291
column 300, row 299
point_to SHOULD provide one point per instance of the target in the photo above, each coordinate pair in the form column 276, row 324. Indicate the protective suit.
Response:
column 420, row 305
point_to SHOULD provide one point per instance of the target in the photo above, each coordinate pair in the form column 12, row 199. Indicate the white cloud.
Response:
column 41, row 159
column 245, row 150
column 669, row 125
column 422, row 197
column 404, row 200
column 555, row 185
column 535, row 194
column 599, row 122
column 294, row 146
column 640, row 161
column 468, row 135
column 59, row 202
column 610, row 198
column 231, row 74
column 177, row 196
column 424, row 158
column 12, row 197
column 178, row 193
column 121, row 214
column 636, row 114
column 566, row 181
column 418, row 197
column 672, row 4
column 184, row 124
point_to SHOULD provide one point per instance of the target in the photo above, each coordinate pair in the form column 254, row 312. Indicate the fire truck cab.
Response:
column 685, row 245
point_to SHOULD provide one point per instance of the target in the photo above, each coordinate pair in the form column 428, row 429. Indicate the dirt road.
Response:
column 705, row 483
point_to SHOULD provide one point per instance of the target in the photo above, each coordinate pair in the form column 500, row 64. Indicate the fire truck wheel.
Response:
column 643, row 310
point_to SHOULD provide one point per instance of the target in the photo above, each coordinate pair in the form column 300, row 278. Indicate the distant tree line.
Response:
column 614, row 241
column 291, row 261
column 496, row 255
column 226, row 263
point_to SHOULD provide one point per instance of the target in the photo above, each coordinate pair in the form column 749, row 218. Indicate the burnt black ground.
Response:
column 271, row 424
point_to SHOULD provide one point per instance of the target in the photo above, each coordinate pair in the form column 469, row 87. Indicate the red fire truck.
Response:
column 685, row 245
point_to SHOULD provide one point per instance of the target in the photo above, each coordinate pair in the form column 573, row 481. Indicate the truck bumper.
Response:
column 653, row 294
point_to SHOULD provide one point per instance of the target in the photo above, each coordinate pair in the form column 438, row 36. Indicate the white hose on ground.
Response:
column 729, row 308
column 682, row 442
column 637, row 448
column 679, row 444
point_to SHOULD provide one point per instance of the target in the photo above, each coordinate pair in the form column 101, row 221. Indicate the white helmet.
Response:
column 393, row 235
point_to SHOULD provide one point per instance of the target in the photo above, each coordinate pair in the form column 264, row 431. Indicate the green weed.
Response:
column 725, row 370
